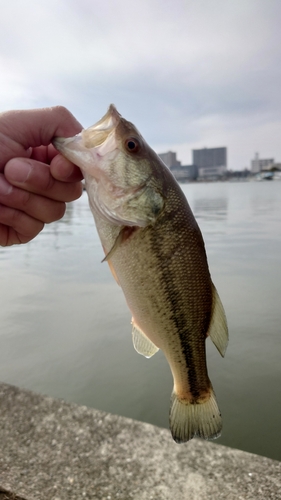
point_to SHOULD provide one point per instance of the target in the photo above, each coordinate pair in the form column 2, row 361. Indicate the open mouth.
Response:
column 87, row 147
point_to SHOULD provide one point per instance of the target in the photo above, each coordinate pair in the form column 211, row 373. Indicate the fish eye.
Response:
column 132, row 145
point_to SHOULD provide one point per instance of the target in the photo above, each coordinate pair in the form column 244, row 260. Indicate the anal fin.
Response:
column 141, row 342
column 218, row 331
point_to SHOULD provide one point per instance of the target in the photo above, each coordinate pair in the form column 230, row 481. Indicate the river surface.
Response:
column 65, row 327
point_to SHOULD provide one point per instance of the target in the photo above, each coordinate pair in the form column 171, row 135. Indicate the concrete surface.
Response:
column 52, row 450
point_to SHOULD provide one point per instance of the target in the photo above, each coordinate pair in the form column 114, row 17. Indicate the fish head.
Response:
column 122, row 174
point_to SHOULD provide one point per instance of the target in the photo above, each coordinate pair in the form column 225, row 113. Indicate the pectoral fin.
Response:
column 113, row 271
column 141, row 342
column 116, row 244
column 124, row 234
column 218, row 331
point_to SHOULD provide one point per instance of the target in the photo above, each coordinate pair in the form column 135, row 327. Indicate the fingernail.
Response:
column 17, row 170
column 5, row 187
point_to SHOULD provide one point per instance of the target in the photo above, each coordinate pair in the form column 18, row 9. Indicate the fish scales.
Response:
column 157, row 255
column 167, row 286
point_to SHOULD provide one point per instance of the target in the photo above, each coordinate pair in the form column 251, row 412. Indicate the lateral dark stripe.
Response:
column 178, row 317
column 179, row 321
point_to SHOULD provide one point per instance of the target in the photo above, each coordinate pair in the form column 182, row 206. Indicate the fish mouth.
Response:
column 96, row 135
column 90, row 145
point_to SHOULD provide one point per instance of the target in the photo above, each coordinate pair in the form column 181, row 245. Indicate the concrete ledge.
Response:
column 52, row 450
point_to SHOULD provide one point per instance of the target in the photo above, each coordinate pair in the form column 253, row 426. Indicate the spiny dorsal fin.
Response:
column 218, row 331
column 141, row 342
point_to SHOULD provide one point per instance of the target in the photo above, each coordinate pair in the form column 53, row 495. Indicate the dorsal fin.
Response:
column 218, row 331
column 141, row 342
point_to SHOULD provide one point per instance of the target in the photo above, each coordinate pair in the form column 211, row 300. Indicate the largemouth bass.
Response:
column 156, row 253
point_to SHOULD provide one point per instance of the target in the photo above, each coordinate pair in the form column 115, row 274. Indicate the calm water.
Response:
column 65, row 327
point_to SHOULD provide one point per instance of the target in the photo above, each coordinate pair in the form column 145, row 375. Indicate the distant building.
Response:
column 211, row 162
column 170, row 159
column 183, row 173
column 257, row 165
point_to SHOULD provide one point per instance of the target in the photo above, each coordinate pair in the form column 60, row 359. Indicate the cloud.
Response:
column 184, row 72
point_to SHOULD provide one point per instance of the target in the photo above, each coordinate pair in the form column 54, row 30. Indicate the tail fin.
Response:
column 194, row 419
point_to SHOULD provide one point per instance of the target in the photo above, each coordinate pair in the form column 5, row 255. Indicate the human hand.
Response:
column 35, row 180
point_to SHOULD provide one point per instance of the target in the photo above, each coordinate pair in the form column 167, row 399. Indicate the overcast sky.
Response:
column 187, row 73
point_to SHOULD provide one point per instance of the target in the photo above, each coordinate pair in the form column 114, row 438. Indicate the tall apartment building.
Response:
column 211, row 162
column 170, row 159
column 183, row 173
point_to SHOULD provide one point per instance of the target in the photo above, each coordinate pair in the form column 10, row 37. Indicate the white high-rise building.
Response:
column 257, row 165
